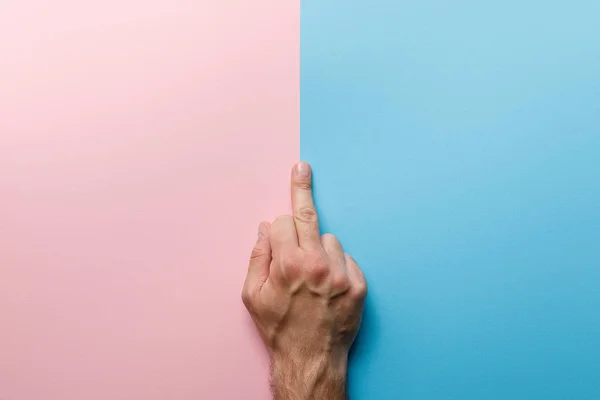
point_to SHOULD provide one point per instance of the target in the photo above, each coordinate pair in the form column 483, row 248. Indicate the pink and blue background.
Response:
column 456, row 148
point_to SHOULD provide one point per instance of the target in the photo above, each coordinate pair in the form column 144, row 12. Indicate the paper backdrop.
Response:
column 141, row 143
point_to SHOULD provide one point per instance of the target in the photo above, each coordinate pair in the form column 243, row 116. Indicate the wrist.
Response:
column 309, row 377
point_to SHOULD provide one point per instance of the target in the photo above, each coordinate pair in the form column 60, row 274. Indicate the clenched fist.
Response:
column 306, row 298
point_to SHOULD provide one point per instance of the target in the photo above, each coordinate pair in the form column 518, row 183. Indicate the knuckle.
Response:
column 292, row 266
column 279, row 225
column 360, row 290
column 302, row 184
column 306, row 214
column 290, row 261
column 328, row 237
column 318, row 270
column 339, row 283
column 258, row 253
column 247, row 298
column 330, row 242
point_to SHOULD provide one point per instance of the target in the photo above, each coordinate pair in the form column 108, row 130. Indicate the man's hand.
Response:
column 306, row 297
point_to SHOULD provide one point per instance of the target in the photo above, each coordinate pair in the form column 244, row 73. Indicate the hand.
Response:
column 306, row 298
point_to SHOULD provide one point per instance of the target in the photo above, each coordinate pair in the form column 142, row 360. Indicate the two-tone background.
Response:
column 456, row 148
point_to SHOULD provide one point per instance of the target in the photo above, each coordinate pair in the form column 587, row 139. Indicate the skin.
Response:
column 306, row 298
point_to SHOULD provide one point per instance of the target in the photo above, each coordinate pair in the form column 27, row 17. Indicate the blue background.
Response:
column 456, row 148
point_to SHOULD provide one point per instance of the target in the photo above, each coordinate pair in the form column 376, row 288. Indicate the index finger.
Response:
column 305, row 214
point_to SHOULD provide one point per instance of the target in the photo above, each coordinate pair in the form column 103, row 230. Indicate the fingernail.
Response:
column 302, row 170
column 262, row 231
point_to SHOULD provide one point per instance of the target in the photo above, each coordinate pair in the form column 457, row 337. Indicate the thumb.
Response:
column 260, row 260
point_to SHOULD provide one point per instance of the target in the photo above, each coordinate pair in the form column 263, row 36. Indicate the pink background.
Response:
column 141, row 143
